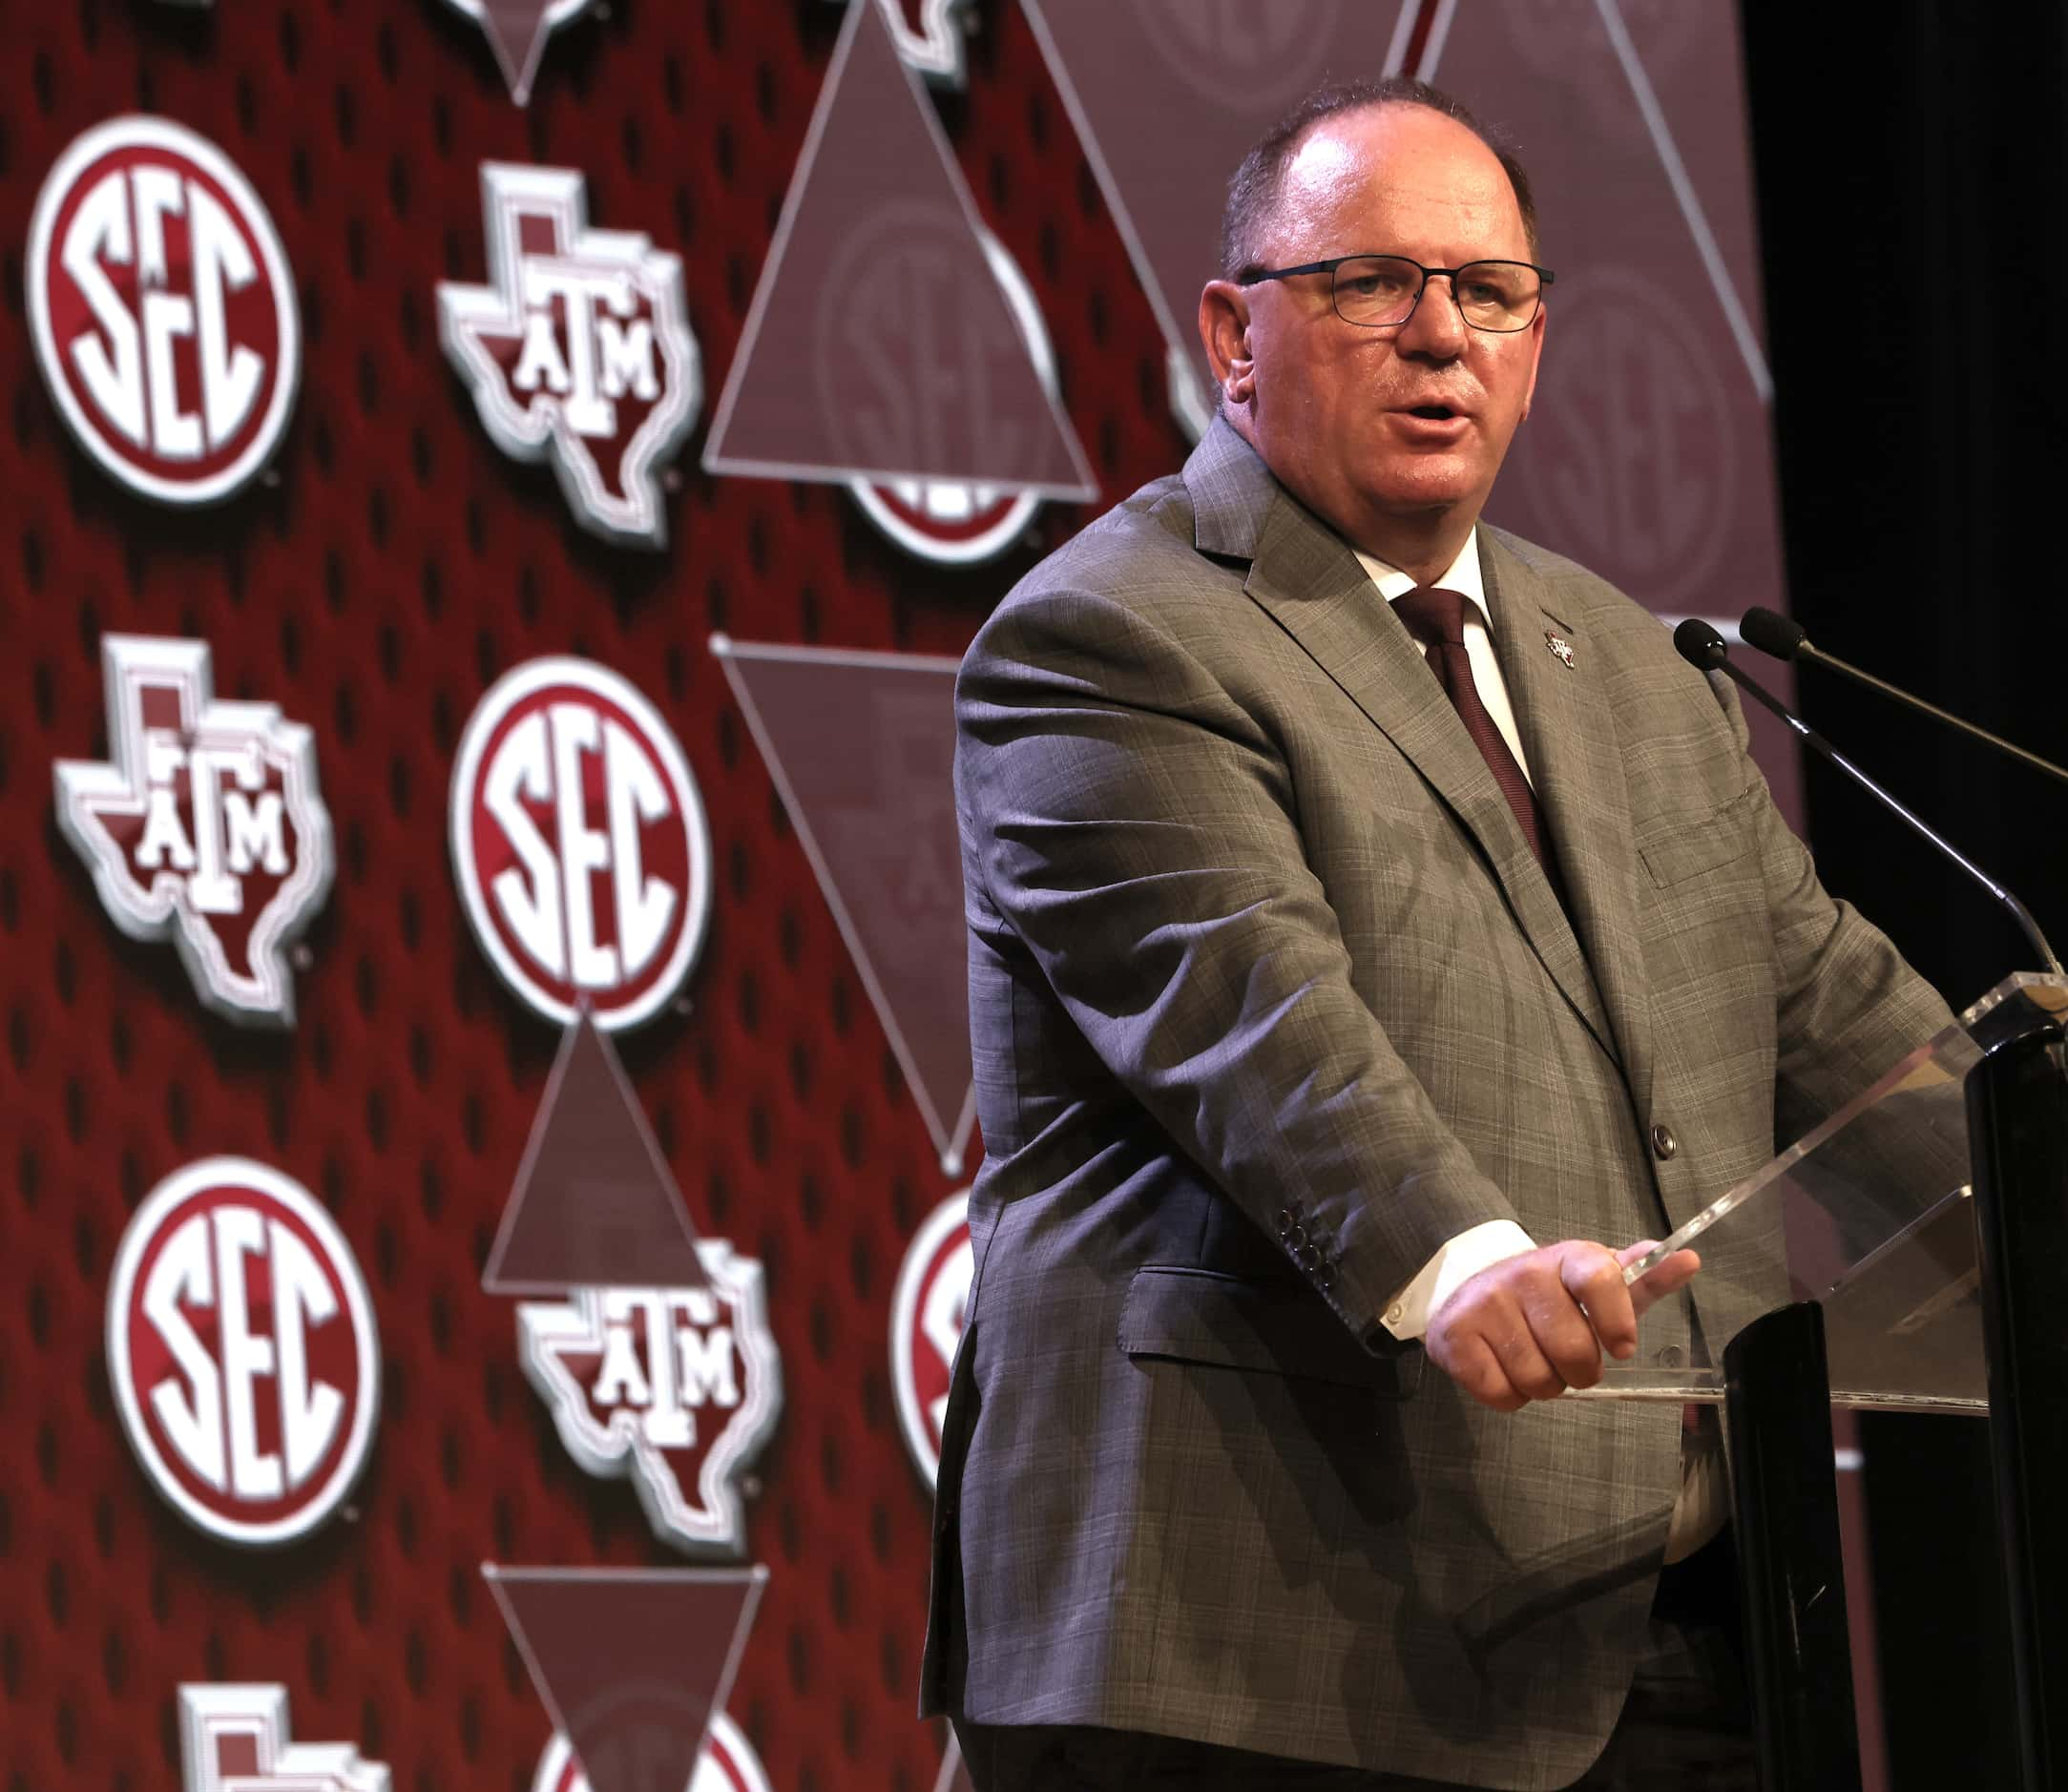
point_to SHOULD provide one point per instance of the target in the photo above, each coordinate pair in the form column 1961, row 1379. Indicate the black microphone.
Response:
column 1701, row 645
column 1780, row 638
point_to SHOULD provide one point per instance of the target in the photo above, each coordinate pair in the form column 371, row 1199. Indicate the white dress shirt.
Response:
column 1464, row 578
column 1407, row 1313
column 1699, row 1511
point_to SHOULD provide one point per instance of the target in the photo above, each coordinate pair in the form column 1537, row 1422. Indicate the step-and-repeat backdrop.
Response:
column 495, row 489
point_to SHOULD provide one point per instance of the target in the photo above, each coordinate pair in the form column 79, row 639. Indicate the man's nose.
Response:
column 1435, row 327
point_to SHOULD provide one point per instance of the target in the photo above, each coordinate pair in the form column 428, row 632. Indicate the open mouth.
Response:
column 1434, row 413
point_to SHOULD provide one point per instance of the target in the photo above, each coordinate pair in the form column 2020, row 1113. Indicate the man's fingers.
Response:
column 1469, row 1361
column 1522, row 1361
column 1592, row 1276
column 1533, row 1324
column 1562, row 1332
column 1675, row 1272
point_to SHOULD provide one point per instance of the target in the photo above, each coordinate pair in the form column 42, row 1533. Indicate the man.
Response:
column 1341, row 1030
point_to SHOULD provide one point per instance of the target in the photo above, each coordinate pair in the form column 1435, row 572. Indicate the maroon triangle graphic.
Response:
column 1648, row 455
column 517, row 31
column 630, row 1662
column 862, row 748
column 1167, row 97
column 592, row 1205
column 880, row 345
column 1648, row 452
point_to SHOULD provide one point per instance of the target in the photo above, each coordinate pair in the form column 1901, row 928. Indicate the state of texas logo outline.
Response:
column 89, row 790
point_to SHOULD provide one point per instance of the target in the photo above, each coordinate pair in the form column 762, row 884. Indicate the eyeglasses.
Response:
column 1380, row 291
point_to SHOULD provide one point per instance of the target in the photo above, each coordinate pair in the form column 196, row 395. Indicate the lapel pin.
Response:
column 1557, row 644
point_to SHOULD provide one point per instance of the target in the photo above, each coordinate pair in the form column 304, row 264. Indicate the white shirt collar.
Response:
column 1463, row 576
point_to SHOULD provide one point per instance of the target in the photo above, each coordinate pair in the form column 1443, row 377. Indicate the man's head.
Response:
column 1393, row 434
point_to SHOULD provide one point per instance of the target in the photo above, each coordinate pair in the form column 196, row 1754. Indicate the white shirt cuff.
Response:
column 1407, row 1313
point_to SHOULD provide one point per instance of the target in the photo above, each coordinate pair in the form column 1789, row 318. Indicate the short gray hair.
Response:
column 1253, row 188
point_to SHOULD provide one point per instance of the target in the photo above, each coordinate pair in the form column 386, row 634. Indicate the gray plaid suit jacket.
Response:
column 1271, row 999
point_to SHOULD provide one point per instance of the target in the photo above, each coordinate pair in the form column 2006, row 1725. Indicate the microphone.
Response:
column 1782, row 638
column 1701, row 645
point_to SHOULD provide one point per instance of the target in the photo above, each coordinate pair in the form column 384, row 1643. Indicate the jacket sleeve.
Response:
column 1137, row 828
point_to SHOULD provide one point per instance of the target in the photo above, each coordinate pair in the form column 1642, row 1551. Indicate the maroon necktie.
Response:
column 1437, row 619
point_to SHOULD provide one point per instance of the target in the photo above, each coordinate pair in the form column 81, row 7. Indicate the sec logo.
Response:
column 928, row 1309
column 579, row 844
column 955, row 524
column 1638, row 466
column 163, row 311
column 726, row 1762
column 242, row 1351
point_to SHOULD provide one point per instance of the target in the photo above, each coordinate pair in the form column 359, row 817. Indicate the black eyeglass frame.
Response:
column 1258, row 276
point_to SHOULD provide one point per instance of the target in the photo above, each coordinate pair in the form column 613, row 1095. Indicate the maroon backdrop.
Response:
column 387, row 570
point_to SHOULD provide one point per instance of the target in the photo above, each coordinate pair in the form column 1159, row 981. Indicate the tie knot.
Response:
column 1432, row 616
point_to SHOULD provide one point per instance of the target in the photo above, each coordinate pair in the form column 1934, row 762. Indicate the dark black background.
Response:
column 1912, row 172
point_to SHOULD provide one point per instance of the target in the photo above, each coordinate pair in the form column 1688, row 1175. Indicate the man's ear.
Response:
column 1539, row 324
column 1224, row 330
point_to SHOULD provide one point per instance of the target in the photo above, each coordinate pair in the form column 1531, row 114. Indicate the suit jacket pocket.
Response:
column 1203, row 1315
column 1675, row 852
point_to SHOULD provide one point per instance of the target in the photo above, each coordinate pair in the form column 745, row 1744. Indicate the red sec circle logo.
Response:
column 928, row 1309
column 957, row 524
column 579, row 843
column 163, row 311
column 242, row 1351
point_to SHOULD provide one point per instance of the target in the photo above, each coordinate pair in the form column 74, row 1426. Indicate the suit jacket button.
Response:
column 1664, row 1144
column 1669, row 1357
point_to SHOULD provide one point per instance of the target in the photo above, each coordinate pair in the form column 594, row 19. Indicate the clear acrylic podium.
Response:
column 1911, row 1254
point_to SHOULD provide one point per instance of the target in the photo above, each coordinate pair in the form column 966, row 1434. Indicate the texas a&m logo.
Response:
column 675, row 1389
column 931, row 37
column 163, row 311
column 579, row 843
column 205, row 823
column 578, row 349
column 726, row 1762
column 242, row 1351
column 235, row 1738
column 928, row 1311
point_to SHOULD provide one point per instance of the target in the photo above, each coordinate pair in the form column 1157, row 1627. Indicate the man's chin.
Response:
column 1434, row 487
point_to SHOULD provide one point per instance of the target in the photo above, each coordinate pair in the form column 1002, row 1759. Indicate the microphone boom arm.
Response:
column 1813, row 738
column 1782, row 638
column 1810, row 651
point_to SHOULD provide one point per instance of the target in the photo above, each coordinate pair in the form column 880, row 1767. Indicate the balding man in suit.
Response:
column 1377, row 934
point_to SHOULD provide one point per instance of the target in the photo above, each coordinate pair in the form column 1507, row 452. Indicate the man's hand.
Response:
column 1532, row 1325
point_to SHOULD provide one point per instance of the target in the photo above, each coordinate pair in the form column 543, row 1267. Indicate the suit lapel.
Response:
column 1308, row 579
column 1568, row 730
